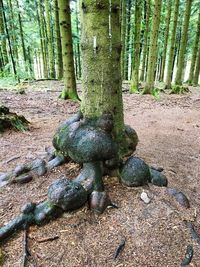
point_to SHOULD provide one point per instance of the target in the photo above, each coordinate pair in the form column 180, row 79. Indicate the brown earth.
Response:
column 155, row 233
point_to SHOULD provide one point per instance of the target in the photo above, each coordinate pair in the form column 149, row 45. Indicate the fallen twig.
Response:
column 46, row 239
column 188, row 256
column 119, row 248
column 12, row 158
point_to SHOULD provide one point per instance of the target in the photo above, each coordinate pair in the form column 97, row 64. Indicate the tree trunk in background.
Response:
column 78, row 43
column 123, row 35
column 9, row 43
column 145, row 46
column 3, row 40
column 153, row 47
column 194, row 52
column 69, row 90
column 52, row 73
column 136, row 54
column 166, row 33
column 14, row 33
column 184, row 37
column 42, row 39
column 172, row 46
column 197, row 69
column 127, row 38
column 59, row 61
column 101, row 47
column 22, row 37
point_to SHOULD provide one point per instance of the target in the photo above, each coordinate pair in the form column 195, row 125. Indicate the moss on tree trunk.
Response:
column 184, row 37
column 197, row 69
column 153, row 47
column 101, row 48
column 136, row 54
column 69, row 90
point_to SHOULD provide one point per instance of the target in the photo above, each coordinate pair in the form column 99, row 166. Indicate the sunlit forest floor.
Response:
column 156, row 233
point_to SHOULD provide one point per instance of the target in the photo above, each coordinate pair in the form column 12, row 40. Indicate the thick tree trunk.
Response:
column 145, row 46
column 59, row 61
column 184, row 37
column 194, row 52
column 166, row 33
column 101, row 49
column 127, row 38
column 50, row 41
column 153, row 47
column 67, row 51
column 197, row 69
column 136, row 54
column 172, row 46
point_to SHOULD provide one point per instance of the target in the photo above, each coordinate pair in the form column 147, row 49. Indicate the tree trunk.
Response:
column 67, row 51
column 22, row 36
column 58, row 42
column 197, row 69
column 40, row 17
column 127, row 39
column 172, row 46
column 101, row 49
column 145, row 46
column 136, row 54
column 49, row 41
column 184, row 37
column 153, row 47
column 78, row 41
column 166, row 33
column 123, row 35
column 194, row 52
column 3, row 40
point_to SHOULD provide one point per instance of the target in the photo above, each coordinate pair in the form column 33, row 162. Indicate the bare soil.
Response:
column 156, row 233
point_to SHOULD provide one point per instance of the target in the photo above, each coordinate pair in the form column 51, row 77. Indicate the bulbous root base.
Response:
column 90, row 143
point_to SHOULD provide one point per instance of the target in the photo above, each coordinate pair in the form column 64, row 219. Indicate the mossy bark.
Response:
column 101, row 48
column 52, row 73
column 69, row 90
column 172, row 45
column 183, row 45
column 136, row 54
column 194, row 52
column 153, row 47
column 166, row 33
column 78, row 54
column 146, row 34
column 59, row 61
column 197, row 69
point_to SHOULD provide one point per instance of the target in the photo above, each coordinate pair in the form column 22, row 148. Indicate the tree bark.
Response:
column 136, row 54
column 153, row 47
column 166, row 33
column 59, row 62
column 145, row 46
column 78, row 41
column 172, row 45
column 3, row 40
column 50, row 41
column 127, row 38
column 197, row 69
column 101, row 48
column 194, row 52
column 123, row 35
column 69, row 90
column 184, row 37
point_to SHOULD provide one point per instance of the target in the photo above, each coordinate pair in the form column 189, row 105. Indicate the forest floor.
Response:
column 156, row 233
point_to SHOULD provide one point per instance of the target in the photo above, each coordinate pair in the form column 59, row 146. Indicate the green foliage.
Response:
column 179, row 89
column 156, row 93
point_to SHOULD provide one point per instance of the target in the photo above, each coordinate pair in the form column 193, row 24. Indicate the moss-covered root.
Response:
column 69, row 95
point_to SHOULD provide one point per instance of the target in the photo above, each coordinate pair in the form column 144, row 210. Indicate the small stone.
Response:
column 144, row 197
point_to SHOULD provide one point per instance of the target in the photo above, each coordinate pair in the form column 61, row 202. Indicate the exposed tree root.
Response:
column 90, row 143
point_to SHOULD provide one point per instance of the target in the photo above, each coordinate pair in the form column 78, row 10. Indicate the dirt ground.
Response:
column 156, row 233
